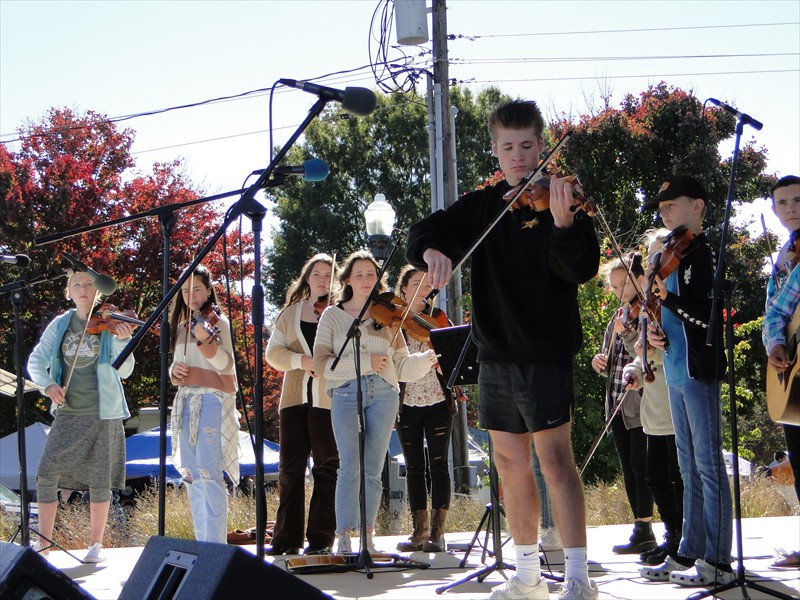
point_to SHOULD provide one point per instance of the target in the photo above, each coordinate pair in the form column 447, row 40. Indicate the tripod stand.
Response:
column 724, row 287
column 491, row 518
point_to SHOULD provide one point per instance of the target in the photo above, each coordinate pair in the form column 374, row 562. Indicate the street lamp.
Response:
column 380, row 224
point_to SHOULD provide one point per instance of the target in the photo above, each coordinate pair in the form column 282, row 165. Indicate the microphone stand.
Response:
column 15, row 288
column 249, row 207
column 725, row 287
column 166, row 217
column 364, row 560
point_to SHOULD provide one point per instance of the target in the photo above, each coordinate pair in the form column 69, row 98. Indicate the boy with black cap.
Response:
column 693, row 372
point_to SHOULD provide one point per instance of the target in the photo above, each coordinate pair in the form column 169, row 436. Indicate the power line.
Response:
column 650, row 75
column 603, row 31
column 490, row 61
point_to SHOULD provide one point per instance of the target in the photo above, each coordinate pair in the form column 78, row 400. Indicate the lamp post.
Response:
column 379, row 216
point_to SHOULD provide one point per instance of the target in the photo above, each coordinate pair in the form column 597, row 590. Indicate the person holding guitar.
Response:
column 783, row 294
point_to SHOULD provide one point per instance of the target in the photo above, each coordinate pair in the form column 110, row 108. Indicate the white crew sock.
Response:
column 528, row 566
column 575, row 565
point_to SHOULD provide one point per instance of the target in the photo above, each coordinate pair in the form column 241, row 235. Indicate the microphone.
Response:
column 313, row 169
column 747, row 119
column 357, row 100
column 104, row 284
column 21, row 260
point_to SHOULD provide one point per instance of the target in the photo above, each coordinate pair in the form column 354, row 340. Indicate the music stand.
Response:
column 458, row 354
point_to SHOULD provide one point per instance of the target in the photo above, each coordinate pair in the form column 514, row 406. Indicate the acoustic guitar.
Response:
column 783, row 387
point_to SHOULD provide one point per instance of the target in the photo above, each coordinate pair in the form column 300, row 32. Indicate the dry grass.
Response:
column 606, row 504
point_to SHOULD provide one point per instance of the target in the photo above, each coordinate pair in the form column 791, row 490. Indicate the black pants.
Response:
column 417, row 425
column 306, row 431
column 664, row 480
column 632, row 449
column 792, row 435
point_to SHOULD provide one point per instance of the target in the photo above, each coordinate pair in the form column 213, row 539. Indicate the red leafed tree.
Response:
column 72, row 170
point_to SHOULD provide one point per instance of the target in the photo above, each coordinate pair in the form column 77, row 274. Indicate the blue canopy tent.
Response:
column 142, row 456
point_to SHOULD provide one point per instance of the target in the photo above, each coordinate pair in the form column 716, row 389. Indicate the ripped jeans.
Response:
column 208, row 495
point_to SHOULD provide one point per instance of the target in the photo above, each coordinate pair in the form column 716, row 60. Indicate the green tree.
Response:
column 621, row 155
column 387, row 153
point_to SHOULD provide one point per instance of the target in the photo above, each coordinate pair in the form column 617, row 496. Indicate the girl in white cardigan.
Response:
column 305, row 417
column 385, row 361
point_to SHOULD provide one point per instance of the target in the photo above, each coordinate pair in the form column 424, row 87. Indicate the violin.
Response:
column 629, row 314
column 321, row 304
column 106, row 317
column 387, row 310
column 208, row 316
column 536, row 194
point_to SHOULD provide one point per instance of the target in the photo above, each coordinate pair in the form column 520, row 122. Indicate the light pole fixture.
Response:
column 379, row 216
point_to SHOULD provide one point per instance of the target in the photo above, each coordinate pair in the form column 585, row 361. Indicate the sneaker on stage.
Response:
column 575, row 589
column 344, row 545
column 515, row 589
column 786, row 560
column 39, row 547
column 95, row 554
column 550, row 540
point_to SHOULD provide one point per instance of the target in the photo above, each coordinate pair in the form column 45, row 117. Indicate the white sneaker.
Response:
column 550, row 540
column 516, row 589
column 344, row 545
column 371, row 545
column 574, row 589
column 94, row 555
column 40, row 548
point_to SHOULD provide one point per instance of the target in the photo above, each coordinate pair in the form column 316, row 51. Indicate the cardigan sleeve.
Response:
column 279, row 355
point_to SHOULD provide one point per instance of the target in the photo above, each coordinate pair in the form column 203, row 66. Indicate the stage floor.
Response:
column 616, row 576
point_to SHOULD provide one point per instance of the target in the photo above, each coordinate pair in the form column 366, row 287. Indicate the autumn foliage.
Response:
column 74, row 170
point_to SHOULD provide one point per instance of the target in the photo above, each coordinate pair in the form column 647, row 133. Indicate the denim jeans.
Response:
column 208, row 496
column 707, row 511
column 380, row 403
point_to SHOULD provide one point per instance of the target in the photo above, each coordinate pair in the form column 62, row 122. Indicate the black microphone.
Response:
column 357, row 100
column 746, row 119
column 21, row 260
column 104, row 284
column 313, row 169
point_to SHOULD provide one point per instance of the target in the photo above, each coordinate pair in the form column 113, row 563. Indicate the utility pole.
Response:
column 412, row 29
column 445, row 147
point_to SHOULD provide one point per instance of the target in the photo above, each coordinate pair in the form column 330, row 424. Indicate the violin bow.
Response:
column 533, row 176
column 407, row 311
column 188, row 315
column 330, row 285
column 78, row 346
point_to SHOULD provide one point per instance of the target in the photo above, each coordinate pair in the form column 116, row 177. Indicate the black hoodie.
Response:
column 524, row 278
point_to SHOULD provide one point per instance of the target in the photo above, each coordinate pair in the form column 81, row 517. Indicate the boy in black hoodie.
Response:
column 525, row 322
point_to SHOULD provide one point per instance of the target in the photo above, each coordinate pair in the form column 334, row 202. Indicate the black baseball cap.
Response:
column 675, row 187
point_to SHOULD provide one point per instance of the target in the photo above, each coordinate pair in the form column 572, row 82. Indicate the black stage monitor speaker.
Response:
column 25, row 574
column 170, row 569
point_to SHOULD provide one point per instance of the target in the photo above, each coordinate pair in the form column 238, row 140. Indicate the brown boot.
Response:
column 420, row 520
column 435, row 541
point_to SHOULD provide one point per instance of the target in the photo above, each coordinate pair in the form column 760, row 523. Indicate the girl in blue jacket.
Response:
column 85, row 448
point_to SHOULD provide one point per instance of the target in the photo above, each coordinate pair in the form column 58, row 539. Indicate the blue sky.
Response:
column 120, row 58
